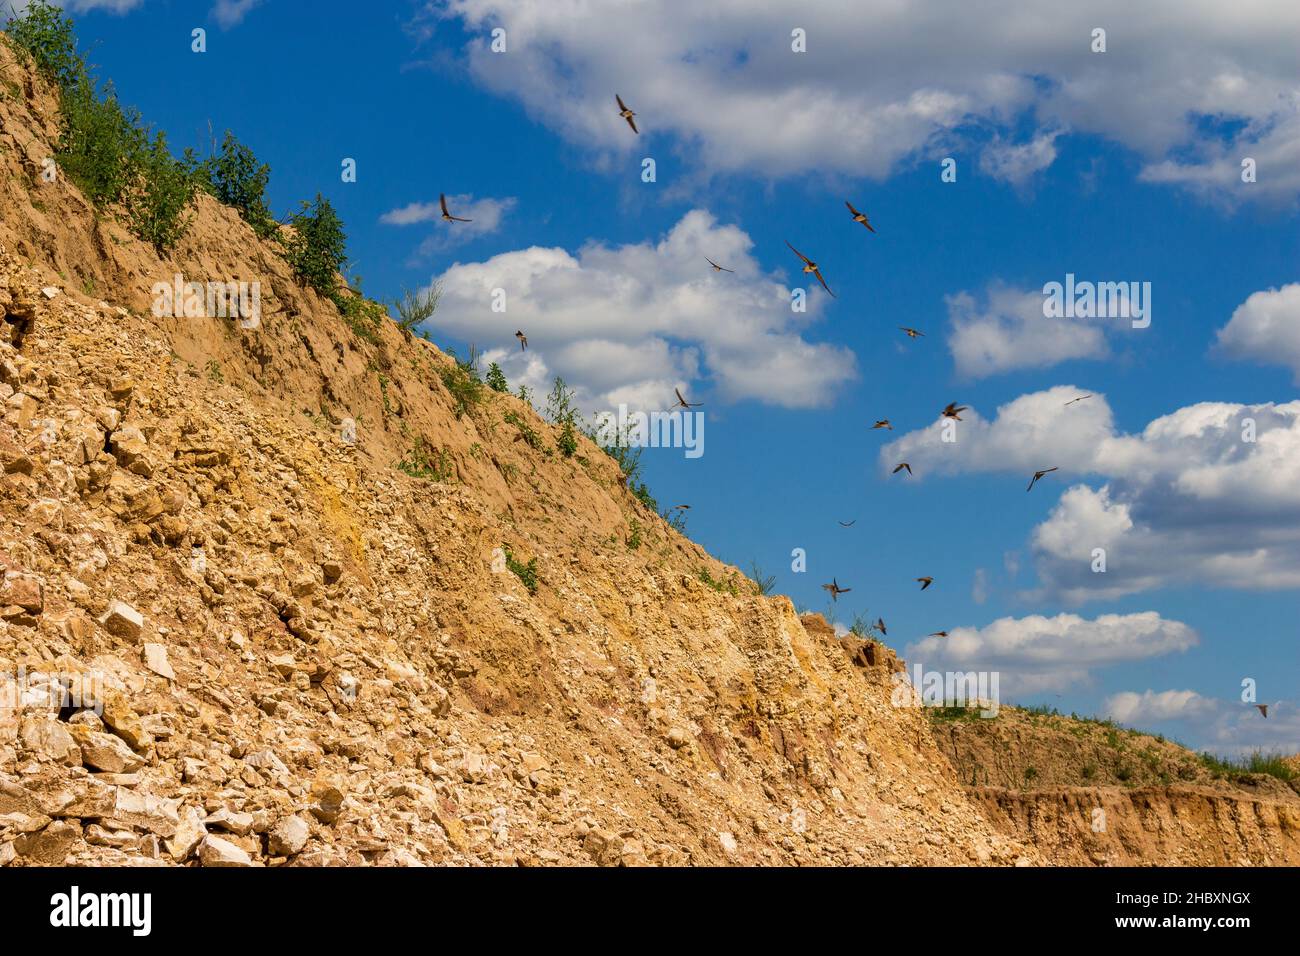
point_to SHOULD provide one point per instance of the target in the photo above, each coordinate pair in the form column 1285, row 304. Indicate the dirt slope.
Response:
column 1088, row 792
column 284, row 650
column 303, row 654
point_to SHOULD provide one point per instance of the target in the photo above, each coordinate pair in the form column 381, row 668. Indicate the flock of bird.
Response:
column 952, row 410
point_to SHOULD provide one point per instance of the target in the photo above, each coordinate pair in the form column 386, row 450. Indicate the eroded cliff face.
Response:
column 281, row 648
column 1176, row 825
column 1085, row 792
column 233, row 634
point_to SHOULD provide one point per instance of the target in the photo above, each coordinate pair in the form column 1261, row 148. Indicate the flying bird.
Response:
column 1263, row 709
column 951, row 410
column 716, row 267
column 900, row 467
column 442, row 198
column 627, row 114
column 523, row 341
column 938, row 634
column 675, row 507
column 883, row 423
column 857, row 216
column 835, row 589
column 1038, row 474
column 683, row 402
column 848, row 524
column 912, row 333
column 880, row 625
column 925, row 582
column 1079, row 399
column 810, row 266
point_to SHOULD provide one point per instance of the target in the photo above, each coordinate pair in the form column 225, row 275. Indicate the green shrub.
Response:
column 415, row 308
column 462, row 381
column 104, row 149
column 560, row 411
column 156, row 203
column 526, row 431
column 642, row 494
column 1257, row 762
column 236, row 178
column 317, row 249
column 764, row 582
column 527, row 573
column 722, row 587
column 100, row 145
column 363, row 316
column 676, row 517
column 634, row 535
column 496, row 379
column 43, row 34
column 422, row 461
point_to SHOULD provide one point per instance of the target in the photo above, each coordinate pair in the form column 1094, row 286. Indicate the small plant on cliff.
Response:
column 363, row 316
column 236, row 178
column 496, row 379
column 764, row 582
column 44, row 35
column 461, row 379
column 863, row 627
column 560, row 411
column 163, row 190
column 722, row 587
column 676, row 518
column 526, row 432
column 317, row 249
column 422, row 461
column 415, row 308
column 100, row 144
column 527, row 573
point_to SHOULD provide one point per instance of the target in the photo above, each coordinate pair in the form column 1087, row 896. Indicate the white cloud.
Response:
column 485, row 215
column 1189, row 499
column 883, row 84
column 1128, row 707
column 1273, row 142
column 16, row 7
column 1266, row 329
column 231, row 13
column 1037, row 653
column 1009, row 331
column 1225, row 727
column 979, row 588
column 1017, row 163
column 628, row 323
column 1033, row 431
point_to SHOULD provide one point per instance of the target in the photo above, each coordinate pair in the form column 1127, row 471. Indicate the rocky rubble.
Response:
column 229, row 638
column 232, row 634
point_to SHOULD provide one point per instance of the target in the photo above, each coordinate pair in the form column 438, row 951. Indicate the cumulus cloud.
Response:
column 1273, row 142
column 1217, row 82
column 1008, row 331
column 1036, row 653
column 1033, row 431
column 1209, row 493
column 1130, row 708
column 628, row 323
column 1266, row 329
column 485, row 215
column 1230, row 728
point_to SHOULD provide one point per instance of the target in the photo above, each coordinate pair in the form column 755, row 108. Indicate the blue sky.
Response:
column 1112, row 169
